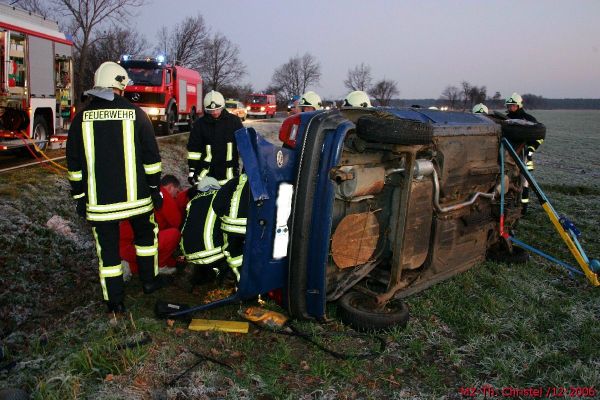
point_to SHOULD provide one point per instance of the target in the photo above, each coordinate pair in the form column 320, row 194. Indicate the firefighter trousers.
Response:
column 106, row 234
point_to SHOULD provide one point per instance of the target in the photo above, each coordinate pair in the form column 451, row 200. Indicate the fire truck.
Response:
column 36, row 71
column 171, row 95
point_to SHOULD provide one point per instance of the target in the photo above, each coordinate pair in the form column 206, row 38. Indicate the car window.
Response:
column 230, row 105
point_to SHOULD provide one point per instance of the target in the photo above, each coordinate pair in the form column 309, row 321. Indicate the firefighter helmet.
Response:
column 358, row 98
column 480, row 109
column 213, row 101
column 514, row 98
column 111, row 75
column 310, row 99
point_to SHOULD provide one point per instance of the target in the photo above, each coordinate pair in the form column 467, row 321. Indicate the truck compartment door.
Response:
column 41, row 67
column 182, row 106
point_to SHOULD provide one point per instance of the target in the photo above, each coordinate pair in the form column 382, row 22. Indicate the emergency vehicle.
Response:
column 36, row 71
column 262, row 105
column 170, row 95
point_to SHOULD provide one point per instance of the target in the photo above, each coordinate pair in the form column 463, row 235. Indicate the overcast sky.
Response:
column 545, row 47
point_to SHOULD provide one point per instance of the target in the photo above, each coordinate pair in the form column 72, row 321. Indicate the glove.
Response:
column 80, row 207
column 157, row 199
column 192, row 178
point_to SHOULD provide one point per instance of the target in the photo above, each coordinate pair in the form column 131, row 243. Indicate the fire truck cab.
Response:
column 36, row 70
column 170, row 95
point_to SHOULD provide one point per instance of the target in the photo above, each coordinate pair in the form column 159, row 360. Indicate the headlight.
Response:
column 153, row 111
column 248, row 108
column 263, row 108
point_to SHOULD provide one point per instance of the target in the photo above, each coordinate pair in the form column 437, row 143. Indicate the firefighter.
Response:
column 357, row 98
column 231, row 206
column 514, row 110
column 212, row 149
column 310, row 101
column 201, row 240
column 480, row 109
column 114, row 168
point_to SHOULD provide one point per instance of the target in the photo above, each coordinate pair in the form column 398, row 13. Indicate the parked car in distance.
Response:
column 237, row 108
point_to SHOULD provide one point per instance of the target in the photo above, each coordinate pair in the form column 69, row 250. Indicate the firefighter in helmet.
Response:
column 310, row 101
column 114, row 168
column 480, row 109
column 212, row 150
column 357, row 98
column 514, row 110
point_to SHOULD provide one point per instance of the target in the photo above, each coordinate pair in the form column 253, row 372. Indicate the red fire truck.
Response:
column 170, row 95
column 36, row 70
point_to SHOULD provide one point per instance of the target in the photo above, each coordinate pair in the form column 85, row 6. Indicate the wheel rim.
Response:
column 40, row 133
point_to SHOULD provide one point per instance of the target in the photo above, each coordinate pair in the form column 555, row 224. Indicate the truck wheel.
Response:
column 361, row 312
column 393, row 130
column 523, row 133
column 169, row 125
column 40, row 132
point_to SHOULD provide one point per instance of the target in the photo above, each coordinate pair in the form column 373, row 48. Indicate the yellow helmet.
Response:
column 358, row 98
column 111, row 75
column 310, row 99
column 514, row 98
column 213, row 101
column 480, row 109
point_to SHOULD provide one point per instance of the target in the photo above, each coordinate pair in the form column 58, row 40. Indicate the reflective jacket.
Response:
column 231, row 205
column 113, row 159
column 212, row 150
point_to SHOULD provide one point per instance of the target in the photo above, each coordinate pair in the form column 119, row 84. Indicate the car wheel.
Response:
column 169, row 125
column 523, row 133
column 362, row 312
column 393, row 130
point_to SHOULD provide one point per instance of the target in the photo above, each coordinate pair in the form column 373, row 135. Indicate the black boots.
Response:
column 159, row 282
column 117, row 308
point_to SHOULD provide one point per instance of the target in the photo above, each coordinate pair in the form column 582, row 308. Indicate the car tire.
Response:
column 169, row 125
column 523, row 133
column 40, row 131
column 393, row 130
column 361, row 312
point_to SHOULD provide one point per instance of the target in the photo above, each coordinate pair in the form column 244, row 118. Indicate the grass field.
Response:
column 494, row 327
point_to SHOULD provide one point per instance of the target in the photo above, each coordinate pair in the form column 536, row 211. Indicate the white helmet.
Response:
column 213, row 101
column 111, row 75
column 480, row 109
column 358, row 98
column 514, row 98
column 310, row 99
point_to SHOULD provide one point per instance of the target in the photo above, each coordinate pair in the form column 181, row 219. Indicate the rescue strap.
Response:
column 24, row 138
column 565, row 228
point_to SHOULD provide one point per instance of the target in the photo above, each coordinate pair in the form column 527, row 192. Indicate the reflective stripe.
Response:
column 78, row 196
column 145, row 251
column 75, row 176
column 530, row 166
column 229, row 173
column 525, row 200
column 205, row 253
column 120, row 206
column 229, row 151
column 155, row 245
column 234, row 228
column 119, row 215
column 192, row 155
column 234, row 221
column 208, row 157
column 209, row 226
column 153, row 168
column 88, row 145
column 129, row 155
column 111, row 272
column 235, row 262
column 224, row 181
column 203, row 173
column 206, row 260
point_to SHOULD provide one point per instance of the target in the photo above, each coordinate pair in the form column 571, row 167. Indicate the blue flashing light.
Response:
column 125, row 57
column 160, row 58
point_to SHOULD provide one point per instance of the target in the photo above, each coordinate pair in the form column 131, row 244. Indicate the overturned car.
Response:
column 367, row 206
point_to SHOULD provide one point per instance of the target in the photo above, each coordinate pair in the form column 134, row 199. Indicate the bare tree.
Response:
column 184, row 43
column 239, row 92
column 35, row 6
column 384, row 90
column 221, row 64
column 359, row 78
column 466, row 90
column 293, row 77
column 452, row 95
column 112, row 44
column 477, row 95
column 86, row 17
